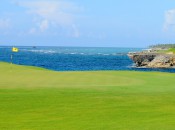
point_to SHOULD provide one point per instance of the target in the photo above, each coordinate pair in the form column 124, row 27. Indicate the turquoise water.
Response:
column 74, row 58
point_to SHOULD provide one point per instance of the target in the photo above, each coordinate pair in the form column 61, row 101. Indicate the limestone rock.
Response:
column 161, row 62
column 142, row 59
column 153, row 60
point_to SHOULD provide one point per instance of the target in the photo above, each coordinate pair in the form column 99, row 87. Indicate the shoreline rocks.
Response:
column 153, row 60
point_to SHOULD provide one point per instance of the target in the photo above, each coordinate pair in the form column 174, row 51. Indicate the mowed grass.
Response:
column 38, row 99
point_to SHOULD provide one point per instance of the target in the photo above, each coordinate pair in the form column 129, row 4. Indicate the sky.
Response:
column 87, row 23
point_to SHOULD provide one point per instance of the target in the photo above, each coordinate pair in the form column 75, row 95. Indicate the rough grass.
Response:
column 172, row 50
column 35, row 98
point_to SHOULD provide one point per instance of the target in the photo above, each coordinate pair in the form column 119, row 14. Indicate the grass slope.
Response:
column 34, row 98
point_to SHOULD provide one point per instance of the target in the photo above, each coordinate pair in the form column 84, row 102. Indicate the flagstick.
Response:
column 14, row 49
column 11, row 58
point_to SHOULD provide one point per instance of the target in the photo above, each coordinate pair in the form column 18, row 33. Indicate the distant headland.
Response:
column 157, row 56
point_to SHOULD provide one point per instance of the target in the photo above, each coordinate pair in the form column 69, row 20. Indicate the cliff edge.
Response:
column 153, row 60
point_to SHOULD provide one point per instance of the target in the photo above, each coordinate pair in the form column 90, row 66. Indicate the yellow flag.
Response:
column 14, row 49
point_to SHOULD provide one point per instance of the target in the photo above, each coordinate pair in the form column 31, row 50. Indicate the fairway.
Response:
column 39, row 99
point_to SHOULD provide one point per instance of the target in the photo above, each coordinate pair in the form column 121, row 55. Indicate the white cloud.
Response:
column 32, row 31
column 76, row 32
column 44, row 25
column 169, row 19
column 4, row 23
column 51, row 14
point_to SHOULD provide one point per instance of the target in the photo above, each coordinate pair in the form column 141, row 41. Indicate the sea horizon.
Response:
column 75, row 58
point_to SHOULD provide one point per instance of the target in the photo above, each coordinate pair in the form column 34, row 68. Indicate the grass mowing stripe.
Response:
column 34, row 98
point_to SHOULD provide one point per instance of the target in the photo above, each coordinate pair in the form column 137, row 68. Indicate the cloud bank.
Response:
column 52, row 14
column 169, row 20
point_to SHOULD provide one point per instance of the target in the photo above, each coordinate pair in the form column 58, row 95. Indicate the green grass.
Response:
column 171, row 50
column 39, row 99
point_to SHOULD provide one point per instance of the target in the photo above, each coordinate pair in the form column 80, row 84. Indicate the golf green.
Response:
column 40, row 99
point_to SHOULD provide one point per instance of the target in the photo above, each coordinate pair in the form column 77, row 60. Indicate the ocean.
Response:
column 74, row 58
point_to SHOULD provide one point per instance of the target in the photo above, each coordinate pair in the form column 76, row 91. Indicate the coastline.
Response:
column 77, row 59
column 153, row 60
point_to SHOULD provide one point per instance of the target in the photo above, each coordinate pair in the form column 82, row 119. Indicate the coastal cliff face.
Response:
column 153, row 60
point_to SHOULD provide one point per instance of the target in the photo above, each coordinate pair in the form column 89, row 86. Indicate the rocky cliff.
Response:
column 153, row 60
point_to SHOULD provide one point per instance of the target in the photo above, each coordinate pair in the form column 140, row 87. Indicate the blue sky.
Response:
column 112, row 23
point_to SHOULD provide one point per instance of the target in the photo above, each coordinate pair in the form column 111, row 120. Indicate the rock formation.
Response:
column 153, row 60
